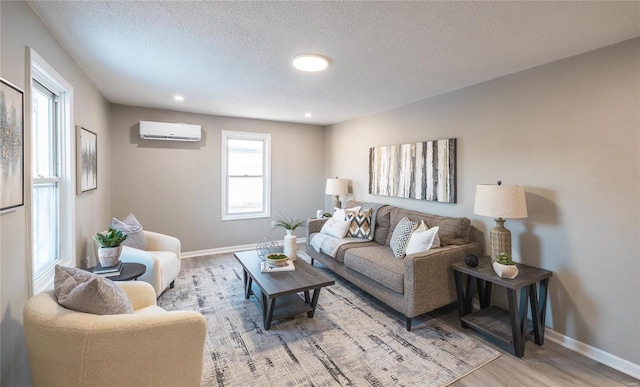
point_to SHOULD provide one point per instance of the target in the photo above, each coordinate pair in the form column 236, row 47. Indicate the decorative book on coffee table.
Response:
column 266, row 268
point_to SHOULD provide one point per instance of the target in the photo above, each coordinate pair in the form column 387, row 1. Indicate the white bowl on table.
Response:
column 281, row 259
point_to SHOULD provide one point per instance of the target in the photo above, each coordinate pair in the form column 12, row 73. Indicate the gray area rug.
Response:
column 352, row 340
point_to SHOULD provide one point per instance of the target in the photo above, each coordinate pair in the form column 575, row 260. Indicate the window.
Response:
column 246, row 185
column 52, row 229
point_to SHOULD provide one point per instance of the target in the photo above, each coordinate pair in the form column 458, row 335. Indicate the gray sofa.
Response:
column 413, row 285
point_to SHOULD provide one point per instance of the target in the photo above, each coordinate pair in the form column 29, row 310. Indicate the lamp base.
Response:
column 336, row 202
column 500, row 239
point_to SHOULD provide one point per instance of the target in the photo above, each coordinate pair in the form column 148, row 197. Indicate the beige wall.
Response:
column 569, row 132
column 20, row 29
column 174, row 187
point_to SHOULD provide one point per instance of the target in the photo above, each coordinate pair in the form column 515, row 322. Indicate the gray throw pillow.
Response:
column 133, row 229
column 401, row 235
column 86, row 292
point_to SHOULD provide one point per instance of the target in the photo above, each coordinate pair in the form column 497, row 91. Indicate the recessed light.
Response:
column 310, row 62
column 178, row 98
column 307, row 114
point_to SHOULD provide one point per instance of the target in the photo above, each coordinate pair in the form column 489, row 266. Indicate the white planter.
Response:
column 109, row 256
column 505, row 271
column 290, row 246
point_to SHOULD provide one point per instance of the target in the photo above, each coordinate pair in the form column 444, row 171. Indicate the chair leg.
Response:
column 408, row 324
column 172, row 284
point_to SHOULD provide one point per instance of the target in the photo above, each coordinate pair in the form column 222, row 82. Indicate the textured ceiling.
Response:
column 234, row 58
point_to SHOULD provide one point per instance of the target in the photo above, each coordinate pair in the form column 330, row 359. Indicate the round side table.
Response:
column 130, row 271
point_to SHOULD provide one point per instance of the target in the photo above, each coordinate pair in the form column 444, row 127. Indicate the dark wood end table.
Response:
column 277, row 292
column 509, row 327
column 130, row 271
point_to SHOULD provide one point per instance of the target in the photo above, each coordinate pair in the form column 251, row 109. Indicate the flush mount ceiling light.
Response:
column 307, row 115
column 310, row 62
column 178, row 98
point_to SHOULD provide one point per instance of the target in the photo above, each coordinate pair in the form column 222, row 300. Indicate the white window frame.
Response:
column 266, row 138
column 48, row 77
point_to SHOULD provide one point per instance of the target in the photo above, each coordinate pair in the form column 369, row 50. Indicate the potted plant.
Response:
column 110, row 246
column 505, row 267
column 289, row 224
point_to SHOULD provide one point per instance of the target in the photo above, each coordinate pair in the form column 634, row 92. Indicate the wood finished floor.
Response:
column 548, row 365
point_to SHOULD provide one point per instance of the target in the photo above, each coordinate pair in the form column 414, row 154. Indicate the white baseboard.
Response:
column 596, row 354
column 229, row 249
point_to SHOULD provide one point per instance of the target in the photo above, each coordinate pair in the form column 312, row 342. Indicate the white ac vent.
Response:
column 150, row 130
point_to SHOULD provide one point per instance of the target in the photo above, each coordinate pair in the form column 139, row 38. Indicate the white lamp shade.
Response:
column 500, row 201
column 337, row 187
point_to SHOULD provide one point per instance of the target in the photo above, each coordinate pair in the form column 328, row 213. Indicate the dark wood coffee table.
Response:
column 130, row 271
column 277, row 292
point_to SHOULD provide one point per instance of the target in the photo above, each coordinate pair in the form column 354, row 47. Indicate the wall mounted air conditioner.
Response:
column 150, row 130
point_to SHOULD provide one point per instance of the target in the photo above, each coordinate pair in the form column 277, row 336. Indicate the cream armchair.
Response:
column 151, row 347
column 162, row 259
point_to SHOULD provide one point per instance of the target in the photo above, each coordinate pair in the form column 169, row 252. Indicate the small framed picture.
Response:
column 87, row 160
column 11, row 146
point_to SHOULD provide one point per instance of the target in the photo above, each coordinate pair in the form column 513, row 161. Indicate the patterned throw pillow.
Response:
column 85, row 292
column 133, row 229
column 400, row 236
column 360, row 226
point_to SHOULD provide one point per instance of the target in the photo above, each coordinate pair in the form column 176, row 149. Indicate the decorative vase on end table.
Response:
column 109, row 256
column 110, row 247
column 505, row 267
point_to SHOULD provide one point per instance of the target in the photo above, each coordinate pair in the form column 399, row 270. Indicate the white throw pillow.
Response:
column 422, row 239
column 341, row 213
column 336, row 228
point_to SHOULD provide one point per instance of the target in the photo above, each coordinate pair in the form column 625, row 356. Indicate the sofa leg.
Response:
column 408, row 324
column 172, row 284
column 312, row 261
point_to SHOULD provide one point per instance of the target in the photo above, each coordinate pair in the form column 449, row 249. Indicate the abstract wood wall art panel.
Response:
column 11, row 146
column 424, row 170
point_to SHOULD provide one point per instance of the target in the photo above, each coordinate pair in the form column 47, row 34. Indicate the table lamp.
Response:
column 500, row 202
column 337, row 187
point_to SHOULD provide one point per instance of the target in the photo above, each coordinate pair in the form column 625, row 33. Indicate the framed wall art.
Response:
column 87, row 160
column 11, row 146
column 423, row 170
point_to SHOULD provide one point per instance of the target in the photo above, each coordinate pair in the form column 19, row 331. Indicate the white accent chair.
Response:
column 162, row 259
column 151, row 347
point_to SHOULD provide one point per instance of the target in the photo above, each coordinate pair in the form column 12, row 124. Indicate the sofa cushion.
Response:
column 453, row 231
column 86, row 292
column 383, row 224
column 360, row 226
column 377, row 263
column 343, row 248
column 401, row 235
